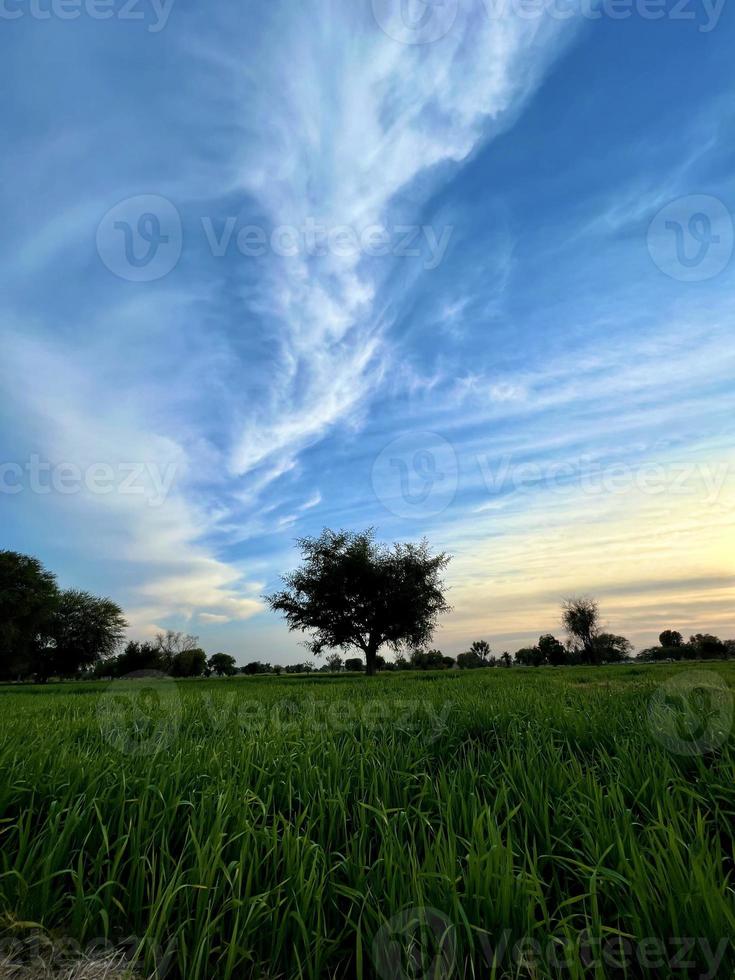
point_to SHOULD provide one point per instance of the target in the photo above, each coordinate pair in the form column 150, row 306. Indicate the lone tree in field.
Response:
column 352, row 592
column 581, row 620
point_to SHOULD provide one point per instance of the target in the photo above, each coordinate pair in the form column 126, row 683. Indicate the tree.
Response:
column 222, row 664
column 482, row 649
column 170, row 644
column 552, row 650
column 470, row 660
column 707, row 647
column 506, row 659
column 354, row 664
column 671, row 638
column 189, row 663
column 529, row 657
column 85, row 629
column 256, row 667
column 609, row 648
column 581, row 619
column 427, row 660
column 134, row 658
column 352, row 592
column 28, row 600
column 334, row 662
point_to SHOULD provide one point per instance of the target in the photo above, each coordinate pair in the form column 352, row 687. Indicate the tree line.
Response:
column 350, row 594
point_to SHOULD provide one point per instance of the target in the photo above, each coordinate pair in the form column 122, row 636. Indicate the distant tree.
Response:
column 552, row 650
column 170, row 644
column 400, row 662
column 482, row 649
column 134, row 658
column 427, row 659
column 353, row 592
column 28, row 601
column 505, row 659
column 256, row 667
column 85, row 629
column 470, row 660
column 529, row 657
column 334, row 662
column 704, row 646
column 380, row 663
column 581, row 619
column 222, row 664
column 354, row 663
column 189, row 663
column 449, row 663
column 609, row 648
column 671, row 638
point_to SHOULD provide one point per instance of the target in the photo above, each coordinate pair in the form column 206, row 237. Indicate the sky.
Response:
column 460, row 270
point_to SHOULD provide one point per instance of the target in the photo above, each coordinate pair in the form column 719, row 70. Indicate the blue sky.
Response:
column 273, row 267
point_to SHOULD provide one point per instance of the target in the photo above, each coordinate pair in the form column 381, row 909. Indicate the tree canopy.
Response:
column 352, row 592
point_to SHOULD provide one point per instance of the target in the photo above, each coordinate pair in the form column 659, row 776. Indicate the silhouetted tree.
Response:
column 609, row 648
column 353, row 592
column 85, row 629
column 222, row 664
column 482, row 649
column 671, row 638
column 334, row 662
column 354, row 664
column 552, row 650
column 704, row 646
column 28, row 600
column 170, row 644
column 469, row 661
column 427, row 660
column 581, row 619
column 189, row 663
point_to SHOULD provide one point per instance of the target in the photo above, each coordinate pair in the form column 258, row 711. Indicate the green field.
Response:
column 491, row 823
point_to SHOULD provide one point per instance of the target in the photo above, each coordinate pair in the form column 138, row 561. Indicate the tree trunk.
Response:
column 371, row 653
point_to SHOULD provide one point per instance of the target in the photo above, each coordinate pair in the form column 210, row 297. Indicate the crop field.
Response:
column 573, row 822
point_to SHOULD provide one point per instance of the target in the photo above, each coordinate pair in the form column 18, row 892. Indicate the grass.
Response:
column 500, row 823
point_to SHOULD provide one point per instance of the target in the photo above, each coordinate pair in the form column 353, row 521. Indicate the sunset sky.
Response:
column 463, row 272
